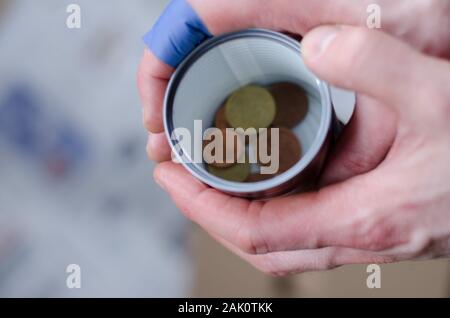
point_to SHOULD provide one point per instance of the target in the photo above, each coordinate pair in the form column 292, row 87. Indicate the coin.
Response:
column 220, row 120
column 250, row 107
column 237, row 173
column 263, row 145
column 292, row 104
column 233, row 150
column 290, row 150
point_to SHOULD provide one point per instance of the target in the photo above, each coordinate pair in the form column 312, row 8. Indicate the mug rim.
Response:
column 240, row 187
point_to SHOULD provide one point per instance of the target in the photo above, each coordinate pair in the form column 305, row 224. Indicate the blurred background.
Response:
column 76, row 185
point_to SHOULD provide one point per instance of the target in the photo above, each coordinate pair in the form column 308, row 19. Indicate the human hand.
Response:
column 429, row 31
column 397, row 211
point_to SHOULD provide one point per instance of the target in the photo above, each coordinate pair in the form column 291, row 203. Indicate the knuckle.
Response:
column 250, row 240
column 249, row 243
column 271, row 265
column 147, row 121
column 421, row 242
column 329, row 263
column 380, row 235
column 269, row 271
column 327, row 260
column 149, row 151
column 250, row 236
column 152, row 122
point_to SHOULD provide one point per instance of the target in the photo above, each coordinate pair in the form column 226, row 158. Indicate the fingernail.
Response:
column 318, row 40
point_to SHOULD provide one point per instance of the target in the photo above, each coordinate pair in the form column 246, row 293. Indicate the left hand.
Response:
column 294, row 234
column 399, row 210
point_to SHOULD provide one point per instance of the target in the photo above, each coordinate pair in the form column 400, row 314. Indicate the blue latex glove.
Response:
column 176, row 33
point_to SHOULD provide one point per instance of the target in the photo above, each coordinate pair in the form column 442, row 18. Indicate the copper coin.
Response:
column 292, row 104
column 237, row 173
column 220, row 120
column 232, row 147
column 290, row 150
column 263, row 140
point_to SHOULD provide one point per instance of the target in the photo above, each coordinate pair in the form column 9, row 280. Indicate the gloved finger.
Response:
column 185, row 24
column 176, row 33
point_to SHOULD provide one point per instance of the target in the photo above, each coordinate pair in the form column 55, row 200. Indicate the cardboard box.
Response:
column 219, row 273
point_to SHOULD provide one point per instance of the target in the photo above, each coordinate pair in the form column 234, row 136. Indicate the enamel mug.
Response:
column 225, row 63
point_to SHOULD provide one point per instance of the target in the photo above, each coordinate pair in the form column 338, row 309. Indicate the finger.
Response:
column 300, row 16
column 370, row 62
column 363, row 144
column 196, row 200
column 158, row 148
column 333, row 216
column 173, row 40
column 296, row 262
column 185, row 24
column 284, row 15
column 152, row 78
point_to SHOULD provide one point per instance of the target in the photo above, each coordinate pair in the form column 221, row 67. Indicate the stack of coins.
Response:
column 281, row 105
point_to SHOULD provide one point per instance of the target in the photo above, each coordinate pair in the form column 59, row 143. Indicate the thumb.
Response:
column 369, row 62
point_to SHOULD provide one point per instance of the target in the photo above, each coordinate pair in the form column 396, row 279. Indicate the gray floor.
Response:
column 75, row 183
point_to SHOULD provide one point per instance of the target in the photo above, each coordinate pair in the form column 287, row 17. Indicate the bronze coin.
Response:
column 220, row 120
column 250, row 106
column 290, row 150
column 292, row 104
column 230, row 149
column 237, row 173
column 264, row 135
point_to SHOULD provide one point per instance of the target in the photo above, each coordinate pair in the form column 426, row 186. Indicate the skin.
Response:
column 385, row 191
